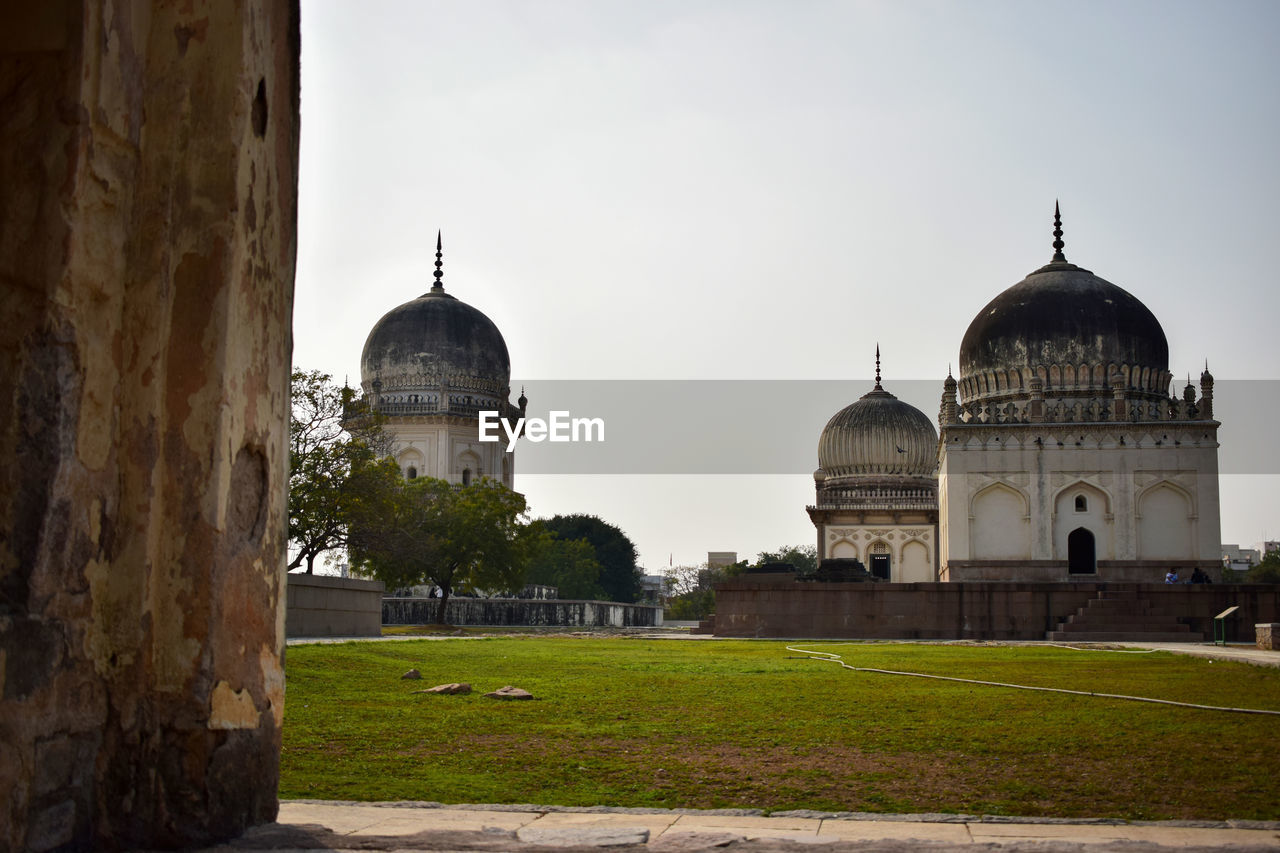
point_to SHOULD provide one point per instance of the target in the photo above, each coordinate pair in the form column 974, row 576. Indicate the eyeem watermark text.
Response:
column 560, row 427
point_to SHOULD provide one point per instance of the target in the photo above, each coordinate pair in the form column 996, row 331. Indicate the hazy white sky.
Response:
column 636, row 189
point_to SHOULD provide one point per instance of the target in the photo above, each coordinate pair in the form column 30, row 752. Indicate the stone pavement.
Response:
column 319, row 825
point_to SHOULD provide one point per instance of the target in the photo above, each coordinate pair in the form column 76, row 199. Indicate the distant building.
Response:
column 653, row 590
column 720, row 559
column 1239, row 559
column 1268, row 546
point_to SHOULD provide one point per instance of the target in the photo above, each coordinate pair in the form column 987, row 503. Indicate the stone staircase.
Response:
column 706, row 626
column 1123, row 616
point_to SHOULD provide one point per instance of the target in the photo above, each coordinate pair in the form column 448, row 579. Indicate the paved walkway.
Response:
column 308, row 824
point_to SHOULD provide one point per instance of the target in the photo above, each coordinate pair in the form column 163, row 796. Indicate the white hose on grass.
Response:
column 832, row 657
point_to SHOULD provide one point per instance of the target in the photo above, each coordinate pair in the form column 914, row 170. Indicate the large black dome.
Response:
column 1062, row 314
column 431, row 339
column 1068, row 327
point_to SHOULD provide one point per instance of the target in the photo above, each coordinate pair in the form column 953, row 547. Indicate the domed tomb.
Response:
column 877, row 487
column 436, row 354
column 1074, row 331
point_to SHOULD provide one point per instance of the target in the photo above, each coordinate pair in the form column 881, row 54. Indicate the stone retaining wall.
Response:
column 783, row 607
column 321, row 606
column 512, row 611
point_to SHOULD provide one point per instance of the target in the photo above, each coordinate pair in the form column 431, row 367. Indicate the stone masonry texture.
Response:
column 148, row 159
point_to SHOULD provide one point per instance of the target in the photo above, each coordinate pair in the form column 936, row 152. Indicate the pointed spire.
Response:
column 1058, row 257
column 438, row 287
column 878, row 388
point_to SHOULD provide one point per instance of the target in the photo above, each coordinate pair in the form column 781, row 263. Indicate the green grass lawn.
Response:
column 670, row 723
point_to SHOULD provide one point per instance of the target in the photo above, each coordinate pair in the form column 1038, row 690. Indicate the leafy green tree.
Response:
column 568, row 564
column 692, row 589
column 620, row 578
column 1267, row 570
column 331, row 437
column 803, row 557
column 459, row 538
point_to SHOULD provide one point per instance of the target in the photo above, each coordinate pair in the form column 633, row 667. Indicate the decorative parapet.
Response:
column 1117, row 409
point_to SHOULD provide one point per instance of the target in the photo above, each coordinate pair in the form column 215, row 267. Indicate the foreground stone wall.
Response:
column 320, row 606
column 515, row 611
column 148, row 157
column 975, row 611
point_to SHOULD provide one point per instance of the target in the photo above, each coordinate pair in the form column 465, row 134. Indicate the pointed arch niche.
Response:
column 1082, row 505
column 998, row 525
column 412, row 463
column 467, row 469
column 916, row 565
column 1165, row 522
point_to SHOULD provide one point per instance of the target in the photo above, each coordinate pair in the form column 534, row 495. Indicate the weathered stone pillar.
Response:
column 148, row 155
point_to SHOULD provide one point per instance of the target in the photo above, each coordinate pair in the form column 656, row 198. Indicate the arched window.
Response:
column 412, row 473
column 1082, row 503
column 466, row 476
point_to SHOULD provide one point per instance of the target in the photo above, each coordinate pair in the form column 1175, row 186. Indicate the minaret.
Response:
column 947, row 414
column 1206, row 393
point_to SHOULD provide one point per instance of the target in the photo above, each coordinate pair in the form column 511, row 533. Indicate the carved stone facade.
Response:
column 148, row 155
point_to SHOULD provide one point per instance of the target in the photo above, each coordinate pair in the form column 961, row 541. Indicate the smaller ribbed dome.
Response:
column 877, row 436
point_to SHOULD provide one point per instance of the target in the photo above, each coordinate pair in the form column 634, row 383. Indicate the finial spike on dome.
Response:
column 438, row 287
column 1058, row 245
column 878, row 388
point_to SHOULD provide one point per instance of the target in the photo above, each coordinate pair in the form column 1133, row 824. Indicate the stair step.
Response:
column 1117, row 603
column 1138, row 621
column 1125, row 636
column 1144, row 628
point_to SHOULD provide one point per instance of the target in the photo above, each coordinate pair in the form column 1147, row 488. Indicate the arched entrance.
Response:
column 1081, row 554
column 879, row 558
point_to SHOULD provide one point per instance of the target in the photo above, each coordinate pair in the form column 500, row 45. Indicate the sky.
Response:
column 738, row 200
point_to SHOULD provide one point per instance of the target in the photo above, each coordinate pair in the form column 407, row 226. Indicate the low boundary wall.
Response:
column 783, row 607
column 517, row 611
column 325, row 606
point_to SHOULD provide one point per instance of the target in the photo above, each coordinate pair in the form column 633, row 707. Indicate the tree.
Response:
column 1267, row 570
column 568, row 564
column 336, row 450
column 692, row 589
column 459, row 538
column 803, row 557
column 620, row 577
